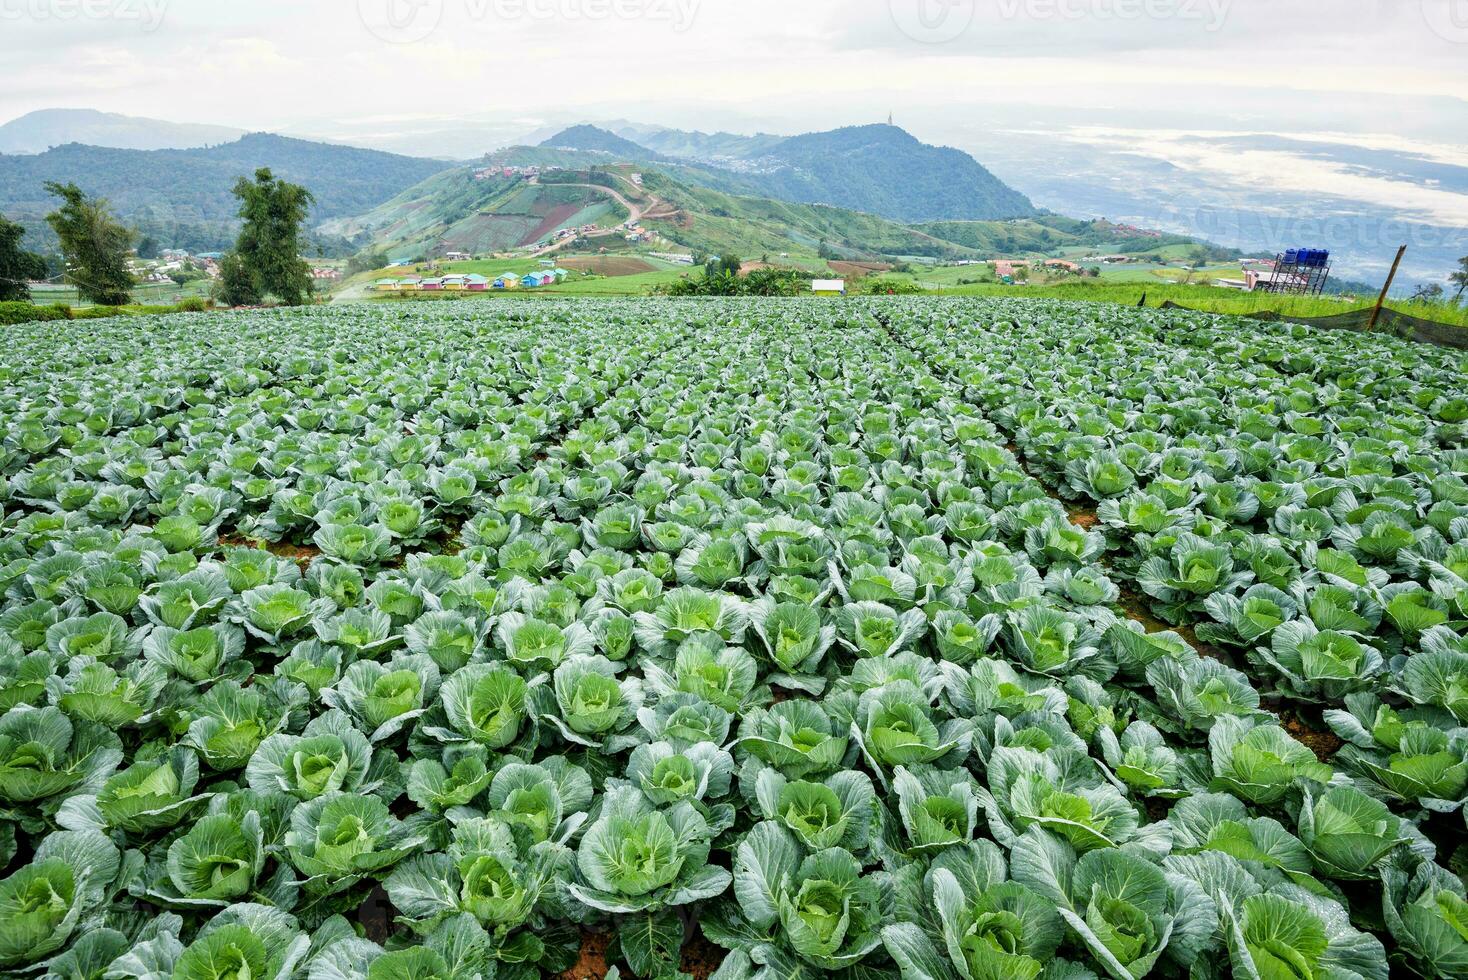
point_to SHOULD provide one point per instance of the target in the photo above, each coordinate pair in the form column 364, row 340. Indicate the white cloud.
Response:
column 1209, row 153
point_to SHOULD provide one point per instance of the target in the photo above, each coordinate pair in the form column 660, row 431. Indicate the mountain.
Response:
column 718, row 148
column 883, row 170
column 594, row 139
column 36, row 132
column 879, row 168
column 886, row 170
column 182, row 197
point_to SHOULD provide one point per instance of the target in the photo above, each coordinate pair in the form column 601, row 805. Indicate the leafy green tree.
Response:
column 148, row 247
column 266, row 259
column 1459, row 278
column 1430, row 293
column 17, row 266
column 366, row 261
column 94, row 244
column 236, row 284
column 189, row 273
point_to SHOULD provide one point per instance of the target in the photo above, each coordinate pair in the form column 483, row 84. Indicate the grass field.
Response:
column 1211, row 299
column 1124, row 285
column 635, row 285
column 609, row 265
column 592, row 275
column 153, row 294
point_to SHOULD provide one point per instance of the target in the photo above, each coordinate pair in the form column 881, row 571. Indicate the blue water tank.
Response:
column 1292, row 256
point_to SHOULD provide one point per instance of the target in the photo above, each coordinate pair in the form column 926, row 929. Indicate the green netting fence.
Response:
column 1359, row 321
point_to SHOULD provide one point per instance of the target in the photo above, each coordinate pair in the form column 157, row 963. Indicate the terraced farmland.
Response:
column 920, row 639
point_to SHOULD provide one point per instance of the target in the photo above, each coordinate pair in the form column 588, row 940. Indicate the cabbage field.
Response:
column 911, row 638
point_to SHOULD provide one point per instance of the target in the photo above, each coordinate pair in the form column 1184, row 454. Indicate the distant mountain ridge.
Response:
column 597, row 140
column 183, row 197
column 878, row 169
column 39, row 131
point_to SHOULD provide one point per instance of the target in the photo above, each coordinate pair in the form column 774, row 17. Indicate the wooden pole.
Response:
column 1380, row 300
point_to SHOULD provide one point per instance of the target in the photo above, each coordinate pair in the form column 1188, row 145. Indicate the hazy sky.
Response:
column 1181, row 114
column 341, row 67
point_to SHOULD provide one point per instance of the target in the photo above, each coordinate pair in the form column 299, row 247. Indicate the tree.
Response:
column 266, row 259
column 366, row 261
column 236, row 284
column 147, row 246
column 1430, row 293
column 1460, row 278
column 187, row 274
column 96, row 247
column 17, row 266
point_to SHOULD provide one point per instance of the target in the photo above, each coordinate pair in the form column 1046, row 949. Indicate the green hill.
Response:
column 457, row 211
column 716, row 222
column 479, row 210
column 1049, row 233
column 597, row 140
column 182, row 197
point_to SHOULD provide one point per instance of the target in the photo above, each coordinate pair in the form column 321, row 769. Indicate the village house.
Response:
column 1062, row 264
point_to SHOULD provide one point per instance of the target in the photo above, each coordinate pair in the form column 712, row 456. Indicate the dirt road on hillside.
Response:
column 634, row 215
